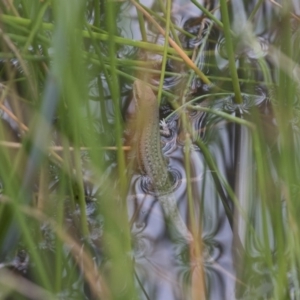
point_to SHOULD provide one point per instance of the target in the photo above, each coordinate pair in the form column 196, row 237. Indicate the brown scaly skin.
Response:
column 149, row 155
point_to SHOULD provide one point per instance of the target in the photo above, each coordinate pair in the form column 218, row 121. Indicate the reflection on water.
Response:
column 166, row 267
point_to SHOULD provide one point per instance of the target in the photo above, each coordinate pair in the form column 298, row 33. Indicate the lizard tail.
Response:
column 171, row 211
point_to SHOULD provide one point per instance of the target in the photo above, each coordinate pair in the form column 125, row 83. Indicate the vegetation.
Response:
column 67, row 71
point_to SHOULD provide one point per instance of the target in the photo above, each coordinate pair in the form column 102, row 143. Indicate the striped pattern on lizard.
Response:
column 150, row 157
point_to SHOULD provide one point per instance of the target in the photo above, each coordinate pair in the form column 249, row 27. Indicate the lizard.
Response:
column 150, row 158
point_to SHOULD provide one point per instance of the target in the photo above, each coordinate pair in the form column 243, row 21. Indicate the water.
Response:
column 212, row 224
column 163, row 273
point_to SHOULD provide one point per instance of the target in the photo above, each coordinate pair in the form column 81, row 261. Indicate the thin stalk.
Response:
column 198, row 277
column 80, row 194
column 86, row 34
column 115, row 97
column 58, row 243
column 160, row 18
column 164, row 59
column 255, row 10
column 97, row 13
column 25, row 56
column 180, row 52
column 83, row 259
column 230, row 52
column 117, row 234
column 167, row 19
column 286, row 93
column 100, row 57
column 208, row 14
column 36, row 25
column 142, row 24
column 192, row 74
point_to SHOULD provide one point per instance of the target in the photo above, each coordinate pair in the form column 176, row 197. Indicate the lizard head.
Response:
column 143, row 95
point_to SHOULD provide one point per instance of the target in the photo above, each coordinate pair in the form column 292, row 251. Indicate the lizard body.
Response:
column 150, row 157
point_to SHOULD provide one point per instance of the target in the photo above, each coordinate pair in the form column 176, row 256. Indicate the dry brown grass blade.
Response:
column 10, row 6
column 83, row 259
column 279, row 5
column 14, row 49
column 15, row 145
column 180, row 52
column 11, row 115
column 23, row 286
column 25, row 128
